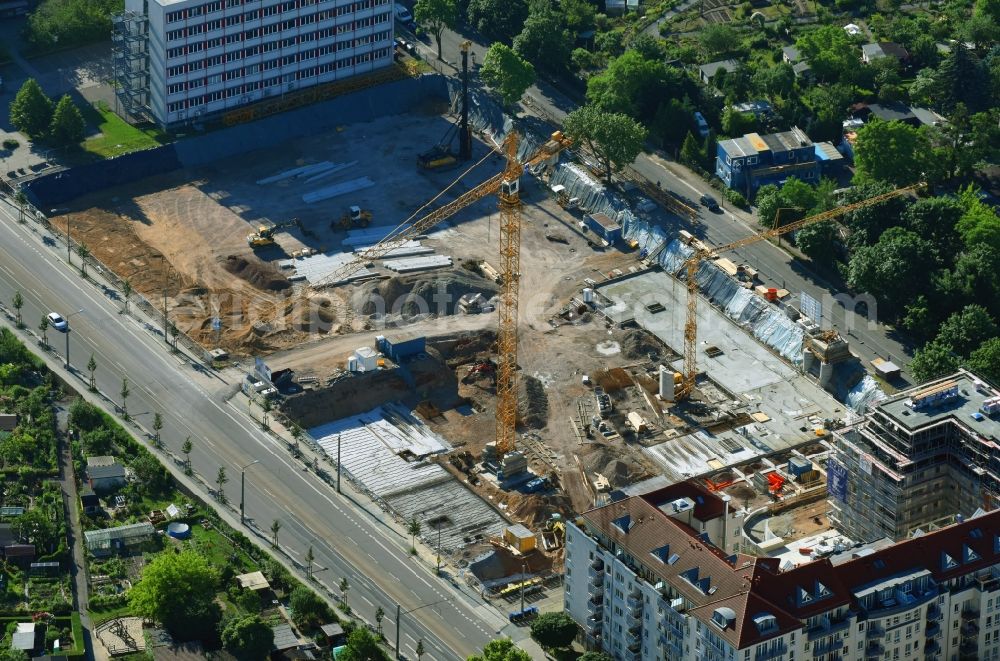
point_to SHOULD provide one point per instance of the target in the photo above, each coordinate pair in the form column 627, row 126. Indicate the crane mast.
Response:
column 510, row 271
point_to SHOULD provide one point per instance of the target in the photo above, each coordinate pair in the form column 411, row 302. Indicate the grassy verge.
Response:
column 118, row 136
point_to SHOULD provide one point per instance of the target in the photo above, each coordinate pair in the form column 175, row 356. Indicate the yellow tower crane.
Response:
column 506, row 186
column 700, row 254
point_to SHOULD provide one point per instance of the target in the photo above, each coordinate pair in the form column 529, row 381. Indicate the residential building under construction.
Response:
column 918, row 460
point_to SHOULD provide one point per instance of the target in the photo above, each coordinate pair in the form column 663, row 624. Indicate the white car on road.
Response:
column 56, row 321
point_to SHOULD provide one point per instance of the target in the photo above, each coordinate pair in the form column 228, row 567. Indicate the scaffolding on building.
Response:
column 130, row 63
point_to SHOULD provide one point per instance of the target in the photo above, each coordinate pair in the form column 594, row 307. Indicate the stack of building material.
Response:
column 365, row 238
column 304, row 171
column 326, row 172
column 408, row 249
column 336, row 190
column 413, row 264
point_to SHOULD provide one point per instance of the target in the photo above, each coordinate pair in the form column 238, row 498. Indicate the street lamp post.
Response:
column 399, row 613
column 243, row 484
column 69, row 258
column 67, row 334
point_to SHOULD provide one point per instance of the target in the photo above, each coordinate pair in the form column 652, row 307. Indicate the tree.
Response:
column 265, row 407
column 895, row 269
column 636, row 86
column 554, row 630
column 936, row 218
column 507, row 73
column 960, row 78
column 248, row 637
column 126, row 292
column 691, row 151
column 275, row 529
column 379, row 615
column 413, row 527
column 43, row 327
column 362, row 646
column 157, row 426
column 308, row 609
column 84, row 252
column 818, row 241
column 891, row 151
column 124, row 392
column 419, row 651
column 736, row 123
column 829, row 105
column 344, row 587
column 178, row 590
column 985, row 361
column 31, row 110
column 436, row 15
column 22, row 201
column 614, row 138
column 67, row 123
column 867, row 223
column 310, row 558
column 499, row 20
column 831, row 53
column 718, row 39
column 544, row 41
column 578, row 14
column 933, row 360
column 35, row 527
column 18, row 303
column 10, row 654
column 220, row 481
column 92, row 367
column 501, row 649
column 186, row 448
column 151, row 477
column 967, row 329
column 979, row 224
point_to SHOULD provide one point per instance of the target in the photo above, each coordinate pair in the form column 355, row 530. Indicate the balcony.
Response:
column 593, row 626
column 596, row 576
column 827, row 646
column 932, row 649
column 874, row 631
column 874, row 650
column 970, row 629
column 772, row 651
column 633, row 622
column 968, row 615
column 933, row 629
column 827, row 627
column 633, row 641
column 969, row 648
column 595, row 606
column 933, row 612
column 634, row 603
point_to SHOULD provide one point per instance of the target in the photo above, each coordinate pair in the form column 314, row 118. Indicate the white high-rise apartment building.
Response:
column 180, row 60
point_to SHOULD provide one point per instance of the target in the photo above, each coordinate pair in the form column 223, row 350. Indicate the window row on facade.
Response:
column 270, row 65
column 253, row 51
column 208, row 8
column 250, row 87
column 271, row 28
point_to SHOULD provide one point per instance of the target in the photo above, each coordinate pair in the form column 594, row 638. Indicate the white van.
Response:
column 403, row 14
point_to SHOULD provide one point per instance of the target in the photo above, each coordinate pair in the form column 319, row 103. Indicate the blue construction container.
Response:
column 604, row 227
column 797, row 466
column 400, row 351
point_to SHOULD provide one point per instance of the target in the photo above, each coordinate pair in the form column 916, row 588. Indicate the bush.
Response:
column 736, row 199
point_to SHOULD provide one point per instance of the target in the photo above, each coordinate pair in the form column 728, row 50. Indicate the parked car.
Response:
column 57, row 322
column 709, row 202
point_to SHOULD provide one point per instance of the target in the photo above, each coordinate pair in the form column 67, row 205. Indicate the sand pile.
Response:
column 532, row 403
column 533, row 509
column 617, row 467
column 638, row 343
column 420, row 294
column 259, row 274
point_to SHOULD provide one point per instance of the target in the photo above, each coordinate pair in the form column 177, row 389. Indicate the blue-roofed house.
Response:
column 746, row 163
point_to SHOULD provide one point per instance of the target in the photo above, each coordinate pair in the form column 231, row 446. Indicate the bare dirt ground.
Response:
column 185, row 233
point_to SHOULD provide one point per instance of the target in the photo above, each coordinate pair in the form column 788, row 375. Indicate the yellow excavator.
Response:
column 355, row 216
column 264, row 236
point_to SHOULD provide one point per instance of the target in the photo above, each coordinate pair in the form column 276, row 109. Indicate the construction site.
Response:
column 360, row 270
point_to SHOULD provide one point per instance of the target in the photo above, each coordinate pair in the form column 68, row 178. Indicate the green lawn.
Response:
column 118, row 136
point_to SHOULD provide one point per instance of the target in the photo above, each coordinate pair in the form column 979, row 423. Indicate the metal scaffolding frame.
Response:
column 130, row 36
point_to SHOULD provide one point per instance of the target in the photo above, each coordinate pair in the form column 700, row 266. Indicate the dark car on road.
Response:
column 710, row 203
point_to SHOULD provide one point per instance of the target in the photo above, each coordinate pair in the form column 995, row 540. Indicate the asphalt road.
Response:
column 347, row 541
column 868, row 338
